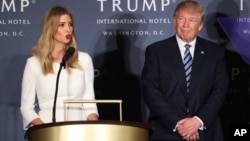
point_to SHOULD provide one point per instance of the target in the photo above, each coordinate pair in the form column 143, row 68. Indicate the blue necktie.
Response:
column 187, row 65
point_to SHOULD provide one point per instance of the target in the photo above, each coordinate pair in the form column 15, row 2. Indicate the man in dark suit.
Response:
column 185, row 93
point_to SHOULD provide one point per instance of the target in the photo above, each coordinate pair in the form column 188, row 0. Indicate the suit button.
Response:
column 188, row 112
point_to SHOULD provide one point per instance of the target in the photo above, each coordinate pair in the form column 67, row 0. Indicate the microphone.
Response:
column 69, row 52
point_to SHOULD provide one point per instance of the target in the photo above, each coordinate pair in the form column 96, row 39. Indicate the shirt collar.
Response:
column 181, row 43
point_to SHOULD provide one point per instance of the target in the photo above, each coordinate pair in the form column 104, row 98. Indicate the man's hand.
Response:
column 193, row 137
column 188, row 128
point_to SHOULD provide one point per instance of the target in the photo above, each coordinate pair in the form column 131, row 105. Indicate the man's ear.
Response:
column 201, row 26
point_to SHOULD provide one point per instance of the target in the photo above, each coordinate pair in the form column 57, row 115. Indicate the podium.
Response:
column 100, row 130
column 90, row 131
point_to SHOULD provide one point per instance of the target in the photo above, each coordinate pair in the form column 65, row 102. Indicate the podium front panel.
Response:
column 90, row 131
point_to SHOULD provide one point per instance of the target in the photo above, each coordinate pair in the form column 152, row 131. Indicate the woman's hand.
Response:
column 93, row 116
column 37, row 121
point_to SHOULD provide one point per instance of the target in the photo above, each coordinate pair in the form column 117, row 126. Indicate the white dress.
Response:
column 75, row 86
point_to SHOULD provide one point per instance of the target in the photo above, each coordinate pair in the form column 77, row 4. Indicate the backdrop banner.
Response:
column 116, row 33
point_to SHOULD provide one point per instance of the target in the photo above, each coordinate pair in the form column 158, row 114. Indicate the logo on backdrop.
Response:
column 131, row 8
column 10, row 26
column 134, row 5
column 238, row 30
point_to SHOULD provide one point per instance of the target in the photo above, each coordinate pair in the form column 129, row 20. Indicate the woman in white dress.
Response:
column 40, row 74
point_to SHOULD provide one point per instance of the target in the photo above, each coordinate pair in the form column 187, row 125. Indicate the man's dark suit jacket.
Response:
column 164, row 88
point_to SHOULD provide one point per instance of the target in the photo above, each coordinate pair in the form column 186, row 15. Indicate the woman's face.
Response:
column 64, row 30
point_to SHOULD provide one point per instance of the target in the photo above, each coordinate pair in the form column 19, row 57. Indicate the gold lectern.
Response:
column 89, row 131
column 101, row 130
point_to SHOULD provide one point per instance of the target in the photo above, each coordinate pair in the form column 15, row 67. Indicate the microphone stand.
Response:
column 56, row 91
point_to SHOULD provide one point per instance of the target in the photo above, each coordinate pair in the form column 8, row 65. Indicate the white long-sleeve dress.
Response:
column 78, row 85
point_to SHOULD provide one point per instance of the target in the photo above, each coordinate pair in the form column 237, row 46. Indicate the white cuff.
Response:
column 202, row 124
column 175, row 128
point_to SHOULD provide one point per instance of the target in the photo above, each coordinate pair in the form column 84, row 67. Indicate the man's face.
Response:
column 187, row 24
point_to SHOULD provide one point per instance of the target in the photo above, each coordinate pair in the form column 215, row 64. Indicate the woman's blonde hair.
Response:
column 43, row 48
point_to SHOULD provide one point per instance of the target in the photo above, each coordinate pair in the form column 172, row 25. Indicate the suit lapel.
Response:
column 199, row 60
column 176, row 58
